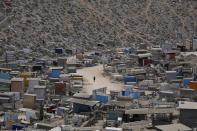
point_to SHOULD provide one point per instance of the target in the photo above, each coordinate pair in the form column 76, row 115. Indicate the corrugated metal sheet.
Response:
column 150, row 111
column 193, row 85
column 83, row 102
column 171, row 75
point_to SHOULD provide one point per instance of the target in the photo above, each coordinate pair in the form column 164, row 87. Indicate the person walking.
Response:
column 94, row 78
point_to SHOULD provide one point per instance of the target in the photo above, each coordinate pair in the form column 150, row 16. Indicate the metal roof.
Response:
column 40, row 87
column 166, row 92
column 83, row 102
column 144, row 55
column 150, row 111
column 156, row 49
column 171, row 51
column 26, row 109
column 81, row 95
column 130, row 125
column 56, row 68
column 5, row 69
column 174, row 127
column 17, row 79
column 26, row 94
column 5, row 81
column 120, row 103
column 4, row 98
column 187, row 105
column 33, row 79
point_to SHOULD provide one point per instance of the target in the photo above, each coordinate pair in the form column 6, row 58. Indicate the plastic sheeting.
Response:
column 186, row 81
column 16, row 127
column 102, row 98
column 55, row 73
column 129, row 79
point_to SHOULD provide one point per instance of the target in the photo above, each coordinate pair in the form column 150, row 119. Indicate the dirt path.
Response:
column 147, row 9
column 100, row 81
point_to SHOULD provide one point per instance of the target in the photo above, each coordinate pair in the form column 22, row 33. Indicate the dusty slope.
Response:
column 80, row 23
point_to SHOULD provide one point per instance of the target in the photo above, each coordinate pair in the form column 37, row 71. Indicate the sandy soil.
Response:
column 101, row 81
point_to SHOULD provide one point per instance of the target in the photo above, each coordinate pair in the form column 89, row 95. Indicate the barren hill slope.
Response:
column 83, row 23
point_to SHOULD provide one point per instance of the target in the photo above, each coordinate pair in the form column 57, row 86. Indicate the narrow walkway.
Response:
column 101, row 81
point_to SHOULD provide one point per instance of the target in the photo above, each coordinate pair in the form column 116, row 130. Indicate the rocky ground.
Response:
column 42, row 25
